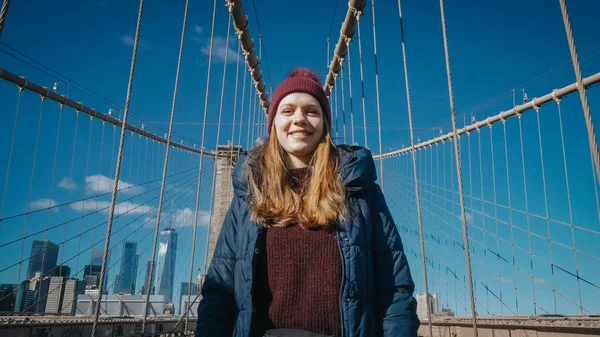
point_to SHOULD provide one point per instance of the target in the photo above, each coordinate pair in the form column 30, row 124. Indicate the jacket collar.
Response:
column 356, row 167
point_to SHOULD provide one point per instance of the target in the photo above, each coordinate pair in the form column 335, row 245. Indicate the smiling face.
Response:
column 299, row 125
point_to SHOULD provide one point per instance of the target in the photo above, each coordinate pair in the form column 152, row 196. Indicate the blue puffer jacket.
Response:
column 377, row 289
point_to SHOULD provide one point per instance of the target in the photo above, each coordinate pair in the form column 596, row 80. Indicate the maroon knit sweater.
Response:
column 298, row 277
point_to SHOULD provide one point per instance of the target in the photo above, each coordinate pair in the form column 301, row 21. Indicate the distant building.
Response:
column 8, row 294
column 146, row 287
column 91, row 277
column 42, row 258
column 96, row 260
column 434, row 305
column 62, row 270
column 125, row 280
column 120, row 305
column 165, row 271
column 25, row 298
column 62, row 295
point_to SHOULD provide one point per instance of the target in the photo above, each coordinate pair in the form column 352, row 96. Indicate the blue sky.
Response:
column 494, row 48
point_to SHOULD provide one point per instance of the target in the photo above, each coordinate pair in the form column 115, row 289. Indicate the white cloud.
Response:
column 219, row 49
column 103, row 184
column 67, row 183
column 185, row 217
column 128, row 40
column 120, row 208
column 182, row 217
column 198, row 29
column 44, row 203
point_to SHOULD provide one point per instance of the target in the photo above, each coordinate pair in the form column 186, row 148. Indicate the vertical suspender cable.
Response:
column 212, row 194
column 414, row 160
column 35, row 152
column 377, row 95
column 343, row 105
column 350, row 90
column 12, row 146
column 459, row 172
column 210, row 54
column 165, row 164
column 242, row 109
column 581, row 87
column 111, row 211
column 362, row 77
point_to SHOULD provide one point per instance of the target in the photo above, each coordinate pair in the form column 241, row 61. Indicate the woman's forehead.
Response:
column 299, row 98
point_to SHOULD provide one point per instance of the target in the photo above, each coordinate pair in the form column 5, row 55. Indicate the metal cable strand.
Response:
column 471, row 191
column 3, row 13
column 377, row 95
column 343, row 106
column 118, row 169
column 581, row 88
column 249, row 124
column 85, row 189
column 362, row 78
column 210, row 54
column 335, row 101
column 350, row 90
column 166, row 161
column 487, row 292
column 510, row 217
column 527, row 214
column 87, row 161
column 37, row 139
column 70, row 178
column 214, row 178
column 242, row 110
column 12, row 145
column 235, row 96
column 414, row 157
column 564, row 156
column 495, row 203
column 459, row 172
column 254, row 122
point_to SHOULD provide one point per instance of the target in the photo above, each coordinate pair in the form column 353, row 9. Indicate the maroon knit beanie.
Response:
column 299, row 80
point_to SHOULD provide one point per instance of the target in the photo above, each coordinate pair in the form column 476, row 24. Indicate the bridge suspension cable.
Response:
column 459, row 173
column 118, row 169
column 377, row 95
column 166, row 161
column 414, row 160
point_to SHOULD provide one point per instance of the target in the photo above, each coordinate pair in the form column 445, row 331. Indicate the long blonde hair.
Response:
column 273, row 202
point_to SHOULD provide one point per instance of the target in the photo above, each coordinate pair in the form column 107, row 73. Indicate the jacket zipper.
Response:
column 343, row 259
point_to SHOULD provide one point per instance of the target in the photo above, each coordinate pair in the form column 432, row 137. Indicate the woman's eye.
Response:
column 313, row 112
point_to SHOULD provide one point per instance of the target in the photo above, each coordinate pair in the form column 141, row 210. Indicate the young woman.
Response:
column 308, row 246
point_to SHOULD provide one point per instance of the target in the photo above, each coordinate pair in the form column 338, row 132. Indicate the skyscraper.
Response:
column 96, row 260
column 125, row 281
column 146, row 287
column 165, row 272
column 91, row 276
column 42, row 258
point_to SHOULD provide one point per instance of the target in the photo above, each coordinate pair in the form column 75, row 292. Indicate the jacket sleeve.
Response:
column 395, row 306
column 217, row 311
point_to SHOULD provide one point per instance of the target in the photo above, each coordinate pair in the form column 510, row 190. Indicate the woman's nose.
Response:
column 299, row 117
